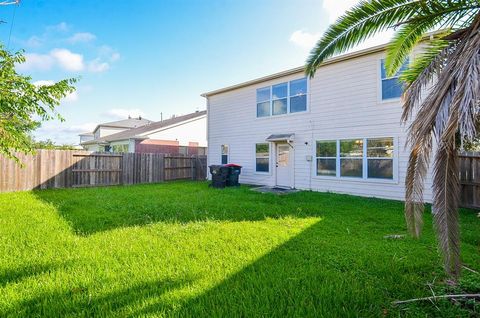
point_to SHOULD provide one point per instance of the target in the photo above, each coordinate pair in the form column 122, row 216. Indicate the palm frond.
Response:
column 403, row 43
column 445, row 205
column 422, row 72
column 364, row 20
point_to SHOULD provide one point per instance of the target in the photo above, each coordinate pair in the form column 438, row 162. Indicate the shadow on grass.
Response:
column 82, row 302
column 13, row 275
column 100, row 209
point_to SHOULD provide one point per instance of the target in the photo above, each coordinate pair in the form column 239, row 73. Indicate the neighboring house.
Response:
column 339, row 131
column 110, row 128
column 183, row 134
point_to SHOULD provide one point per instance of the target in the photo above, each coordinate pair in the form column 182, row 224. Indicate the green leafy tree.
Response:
column 449, row 67
column 23, row 105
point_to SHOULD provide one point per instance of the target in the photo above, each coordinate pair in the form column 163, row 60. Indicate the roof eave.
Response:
column 336, row 59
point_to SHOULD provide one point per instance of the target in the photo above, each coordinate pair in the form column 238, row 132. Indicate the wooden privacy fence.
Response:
column 69, row 169
column 470, row 179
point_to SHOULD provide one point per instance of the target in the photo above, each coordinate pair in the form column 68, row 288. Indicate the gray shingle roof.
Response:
column 135, row 132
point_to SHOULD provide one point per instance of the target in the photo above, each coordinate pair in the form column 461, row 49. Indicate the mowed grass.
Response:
column 184, row 249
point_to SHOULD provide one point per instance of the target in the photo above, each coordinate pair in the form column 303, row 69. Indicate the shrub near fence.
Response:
column 70, row 168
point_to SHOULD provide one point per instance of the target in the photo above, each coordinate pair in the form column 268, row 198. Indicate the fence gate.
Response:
column 91, row 170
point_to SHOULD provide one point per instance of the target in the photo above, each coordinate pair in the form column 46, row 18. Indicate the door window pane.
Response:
column 351, row 168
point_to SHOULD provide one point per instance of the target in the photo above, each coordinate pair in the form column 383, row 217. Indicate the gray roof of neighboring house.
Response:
column 126, row 123
column 135, row 132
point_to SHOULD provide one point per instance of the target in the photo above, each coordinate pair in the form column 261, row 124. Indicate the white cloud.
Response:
column 97, row 66
column 34, row 61
column 81, row 37
column 68, row 60
column 304, row 39
column 122, row 113
column 61, row 27
column 335, row 8
column 70, row 98
column 62, row 133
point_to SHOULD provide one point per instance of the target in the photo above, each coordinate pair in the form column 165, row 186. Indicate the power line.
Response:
column 13, row 20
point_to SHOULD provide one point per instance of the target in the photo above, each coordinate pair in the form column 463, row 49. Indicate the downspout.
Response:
column 312, row 125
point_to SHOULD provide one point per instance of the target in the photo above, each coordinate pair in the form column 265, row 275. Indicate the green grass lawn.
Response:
column 184, row 249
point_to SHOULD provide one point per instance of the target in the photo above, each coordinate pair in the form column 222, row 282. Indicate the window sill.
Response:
column 284, row 115
column 352, row 179
column 390, row 100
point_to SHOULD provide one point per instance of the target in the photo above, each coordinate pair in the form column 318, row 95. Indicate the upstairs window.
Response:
column 224, row 149
column 283, row 98
column 391, row 86
column 298, row 95
column 262, row 157
column 263, row 102
column 279, row 99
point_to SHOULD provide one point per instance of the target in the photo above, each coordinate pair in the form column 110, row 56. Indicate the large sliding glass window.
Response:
column 327, row 158
column 262, row 157
column 368, row 158
column 282, row 98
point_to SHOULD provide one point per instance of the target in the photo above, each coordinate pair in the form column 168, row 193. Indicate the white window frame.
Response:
column 262, row 157
column 288, row 99
column 364, row 177
column 357, row 158
column 320, row 157
column 380, row 158
column 222, row 154
column 380, row 83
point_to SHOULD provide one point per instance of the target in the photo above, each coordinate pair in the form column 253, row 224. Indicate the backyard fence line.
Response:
column 47, row 169
column 469, row 163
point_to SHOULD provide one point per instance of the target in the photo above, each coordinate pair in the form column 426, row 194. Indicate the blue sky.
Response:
column 152, row 57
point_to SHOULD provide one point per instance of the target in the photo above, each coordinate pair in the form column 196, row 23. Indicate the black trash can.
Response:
column 234, row 171
column 219, row 176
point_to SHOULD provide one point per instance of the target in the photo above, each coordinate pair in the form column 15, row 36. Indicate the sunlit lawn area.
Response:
column 184, row 249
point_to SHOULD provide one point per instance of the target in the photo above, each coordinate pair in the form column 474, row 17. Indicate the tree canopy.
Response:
column 24, row 105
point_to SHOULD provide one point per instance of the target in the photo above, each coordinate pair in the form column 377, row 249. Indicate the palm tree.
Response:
column 442, row 86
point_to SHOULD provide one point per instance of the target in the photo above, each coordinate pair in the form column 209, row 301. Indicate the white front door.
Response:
column 284, row 165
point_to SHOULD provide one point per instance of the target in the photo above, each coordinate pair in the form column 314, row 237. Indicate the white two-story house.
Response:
column 339, row 131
